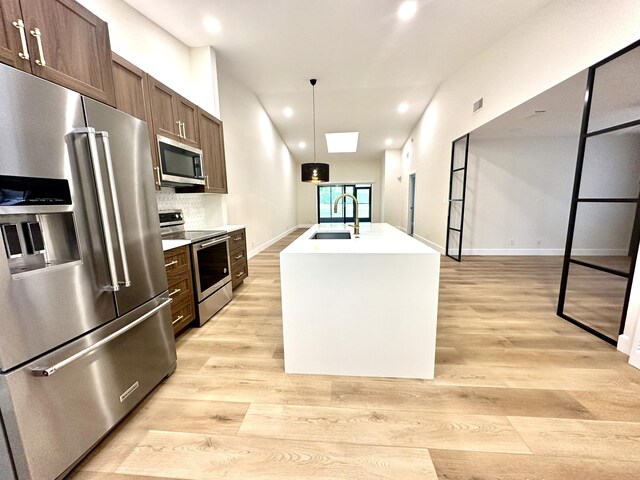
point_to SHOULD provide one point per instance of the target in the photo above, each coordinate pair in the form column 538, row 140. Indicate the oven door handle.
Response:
column 213, row 242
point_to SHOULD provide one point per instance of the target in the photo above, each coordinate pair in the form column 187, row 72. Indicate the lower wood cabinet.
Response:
column 177, row 262
column 238, row 257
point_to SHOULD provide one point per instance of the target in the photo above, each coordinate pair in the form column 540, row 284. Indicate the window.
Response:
column 327, row 195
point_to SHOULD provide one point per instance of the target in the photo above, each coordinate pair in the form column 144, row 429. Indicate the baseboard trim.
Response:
column 624, row 344
column 252, row 253
column 435, row 246
column 542, row 251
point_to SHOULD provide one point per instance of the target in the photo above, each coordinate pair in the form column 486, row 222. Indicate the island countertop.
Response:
column 374, row 238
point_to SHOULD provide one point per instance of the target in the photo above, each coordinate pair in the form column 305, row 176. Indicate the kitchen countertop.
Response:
column 374, row 238
column 169, row 244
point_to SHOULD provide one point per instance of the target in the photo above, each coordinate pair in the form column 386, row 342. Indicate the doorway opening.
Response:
column 412, row 201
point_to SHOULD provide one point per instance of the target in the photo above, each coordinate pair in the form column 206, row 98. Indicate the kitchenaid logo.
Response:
column 129, row 391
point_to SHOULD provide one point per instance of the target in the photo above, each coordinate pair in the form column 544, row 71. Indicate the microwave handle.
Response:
column 102, row 205
column 104, row 136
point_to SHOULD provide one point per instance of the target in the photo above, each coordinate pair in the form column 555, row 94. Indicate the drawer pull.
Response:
column 237, row 239
column 238, row 275
column 167, row 265
column 177, row 320
column 239, row 256
column 177, row 290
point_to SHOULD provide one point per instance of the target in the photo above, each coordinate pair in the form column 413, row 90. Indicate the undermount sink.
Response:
column 331, row 236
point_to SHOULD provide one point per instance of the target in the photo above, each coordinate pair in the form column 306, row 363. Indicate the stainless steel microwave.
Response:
column 180, row 164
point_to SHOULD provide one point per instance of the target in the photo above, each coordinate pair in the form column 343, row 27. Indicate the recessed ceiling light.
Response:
column 212, row 25
column 388, row 142
column 288, row 112
column 407, row 10
column 302, row 145
column 403, row 107
column 345, row 142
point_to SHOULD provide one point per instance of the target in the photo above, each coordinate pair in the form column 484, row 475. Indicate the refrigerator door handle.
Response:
column 104, row 136
column 102, row 204
column 48, row 371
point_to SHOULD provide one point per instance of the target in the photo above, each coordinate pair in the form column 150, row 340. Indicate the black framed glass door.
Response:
column 457, row 189
column 604, row 227
column 327, row 195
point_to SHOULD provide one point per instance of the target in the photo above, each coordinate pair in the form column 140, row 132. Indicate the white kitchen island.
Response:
column 364, row 306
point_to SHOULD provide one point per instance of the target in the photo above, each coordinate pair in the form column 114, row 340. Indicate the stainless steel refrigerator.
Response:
column 85, row 320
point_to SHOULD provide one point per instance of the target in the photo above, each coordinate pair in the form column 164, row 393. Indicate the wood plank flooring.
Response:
column 519, row 394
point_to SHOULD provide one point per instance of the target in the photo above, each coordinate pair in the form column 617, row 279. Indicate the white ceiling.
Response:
column 560, row 114
column 366, row 60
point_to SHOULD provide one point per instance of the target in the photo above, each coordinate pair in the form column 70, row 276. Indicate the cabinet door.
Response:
column 132, row 97
column 72, row 48
column 10, row 40
column 188, row 115
column 212, row 144
column 164, row 110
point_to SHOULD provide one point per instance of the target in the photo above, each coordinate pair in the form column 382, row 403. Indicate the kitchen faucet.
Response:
column 356, row 224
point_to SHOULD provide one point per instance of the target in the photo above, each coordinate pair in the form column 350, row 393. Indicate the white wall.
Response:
column 519, row 195
column 342, row 171
column 393, row 212
column 262, row 175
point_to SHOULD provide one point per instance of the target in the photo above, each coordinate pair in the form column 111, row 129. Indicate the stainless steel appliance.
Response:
column 86, row 320
column 180, row 164
column 210, row 260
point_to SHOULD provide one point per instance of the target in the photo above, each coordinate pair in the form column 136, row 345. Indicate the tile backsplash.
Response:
column 191, row 204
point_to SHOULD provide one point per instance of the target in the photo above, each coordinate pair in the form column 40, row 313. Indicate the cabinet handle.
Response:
column 24, row 54
column 237, row 239
column 238, row 275
column 167, row 265
column 36, row 33
column 184, row 130
column 179, row 128
column 238, row 257
column 158, row 179
column 177, row 320
column 206, row 177
column 177, row 290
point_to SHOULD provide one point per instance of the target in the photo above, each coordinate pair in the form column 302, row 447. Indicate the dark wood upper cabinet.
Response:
column 213, row 158
column 174, row 116
column 212, row 145
column 164, row 109
column 69, row 45
column 188, row 115
column 14, row 49
column 131, row 86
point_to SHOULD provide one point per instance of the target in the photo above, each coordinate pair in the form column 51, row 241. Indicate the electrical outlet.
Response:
column 539, row 243
column 512, row 242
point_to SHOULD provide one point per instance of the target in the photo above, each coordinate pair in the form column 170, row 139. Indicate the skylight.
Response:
column 345, row 142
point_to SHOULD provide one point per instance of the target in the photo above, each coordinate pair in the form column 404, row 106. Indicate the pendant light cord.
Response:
column 313, row 86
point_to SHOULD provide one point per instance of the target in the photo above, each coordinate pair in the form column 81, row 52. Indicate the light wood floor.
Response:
column 519, row 394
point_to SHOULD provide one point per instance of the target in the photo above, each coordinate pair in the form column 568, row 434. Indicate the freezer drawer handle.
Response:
column 116, row 207
column 48, row 371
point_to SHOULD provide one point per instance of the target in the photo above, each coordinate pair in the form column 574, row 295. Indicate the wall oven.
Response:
column 180, row 164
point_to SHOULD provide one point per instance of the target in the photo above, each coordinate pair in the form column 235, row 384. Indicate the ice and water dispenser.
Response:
column 37, row 223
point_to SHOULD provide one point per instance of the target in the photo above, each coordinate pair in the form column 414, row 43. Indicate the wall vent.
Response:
column 478, row 105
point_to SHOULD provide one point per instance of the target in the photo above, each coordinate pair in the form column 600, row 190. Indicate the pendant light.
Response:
column 315, row 172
